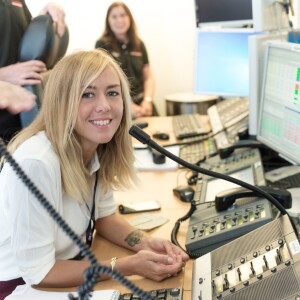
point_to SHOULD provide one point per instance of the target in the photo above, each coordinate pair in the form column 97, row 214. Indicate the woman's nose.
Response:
column 102, row 105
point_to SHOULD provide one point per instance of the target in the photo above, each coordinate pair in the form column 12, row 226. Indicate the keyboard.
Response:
column 189, row 125
column 161, row 294
column 194, row 152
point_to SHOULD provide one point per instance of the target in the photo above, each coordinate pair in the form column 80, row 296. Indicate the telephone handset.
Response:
column 227, row 198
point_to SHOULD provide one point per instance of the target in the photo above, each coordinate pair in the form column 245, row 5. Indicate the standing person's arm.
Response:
column 28, row 73
column 149, row 87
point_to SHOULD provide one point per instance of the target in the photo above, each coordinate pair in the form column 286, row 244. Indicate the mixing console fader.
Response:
column 263, row 264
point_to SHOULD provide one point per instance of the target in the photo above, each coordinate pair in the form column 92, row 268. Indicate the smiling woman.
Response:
column 77, row 151
column 121, row 39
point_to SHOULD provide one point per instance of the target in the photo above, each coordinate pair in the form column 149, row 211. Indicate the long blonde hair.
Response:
column 62, row 96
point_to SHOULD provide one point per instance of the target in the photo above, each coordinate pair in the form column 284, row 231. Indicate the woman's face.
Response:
column 100, row 110
column 119, row 21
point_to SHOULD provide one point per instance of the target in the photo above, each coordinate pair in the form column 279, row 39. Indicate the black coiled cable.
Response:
column 91, row 273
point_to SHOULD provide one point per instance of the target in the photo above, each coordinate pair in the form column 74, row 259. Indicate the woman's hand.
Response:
column 15, row 98
column 58, row 16
column 151, row 265
column 164, row 247
column 23, row 73
column 137, row 110
column 147, row 107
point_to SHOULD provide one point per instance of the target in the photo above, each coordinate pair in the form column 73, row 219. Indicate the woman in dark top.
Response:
column 121, row 40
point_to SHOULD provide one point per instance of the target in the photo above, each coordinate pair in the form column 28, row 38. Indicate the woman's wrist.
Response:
column 148, row 99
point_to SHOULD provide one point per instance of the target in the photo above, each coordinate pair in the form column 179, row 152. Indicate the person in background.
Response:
column 14, row 19
column 77, row 151
column 120, row 38
column 15, row 98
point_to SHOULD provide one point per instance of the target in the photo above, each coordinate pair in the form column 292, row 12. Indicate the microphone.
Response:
column 144, row 138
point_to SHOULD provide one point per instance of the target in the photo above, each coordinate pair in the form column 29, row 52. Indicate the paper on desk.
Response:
column 144, row 161
column 26, row 292
column 148, row 221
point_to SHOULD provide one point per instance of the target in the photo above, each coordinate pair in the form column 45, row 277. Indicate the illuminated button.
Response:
column 218, row 272
column 268, row 248
column 229, row 266
column 255, row 254
column 280, row 242
column 242, row 260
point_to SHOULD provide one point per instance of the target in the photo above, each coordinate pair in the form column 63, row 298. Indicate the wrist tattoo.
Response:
column 134, row 238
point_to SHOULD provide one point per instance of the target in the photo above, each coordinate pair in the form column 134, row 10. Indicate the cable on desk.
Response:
column 177, row 225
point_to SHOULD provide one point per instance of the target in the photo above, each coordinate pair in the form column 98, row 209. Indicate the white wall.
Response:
column 167, row 27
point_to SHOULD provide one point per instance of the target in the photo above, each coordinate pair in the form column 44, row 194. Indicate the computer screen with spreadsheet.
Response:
column 257, row 47
column 279, row 113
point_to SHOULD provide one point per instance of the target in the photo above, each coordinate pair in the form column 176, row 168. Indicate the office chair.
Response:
column 41, row 42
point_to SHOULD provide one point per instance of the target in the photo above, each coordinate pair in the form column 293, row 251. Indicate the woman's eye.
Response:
column 87, row 95
column 113, row 93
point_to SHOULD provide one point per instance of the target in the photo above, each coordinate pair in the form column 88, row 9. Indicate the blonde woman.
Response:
column 77, row 151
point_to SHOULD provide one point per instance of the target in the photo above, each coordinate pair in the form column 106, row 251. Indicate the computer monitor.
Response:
column 262, row 15
column 257, row 45
column 224, row 13
column 222, row 62
column 279, row 114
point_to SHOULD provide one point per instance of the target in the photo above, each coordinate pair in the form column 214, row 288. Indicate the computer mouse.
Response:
column 184, row 193
column 161, row 136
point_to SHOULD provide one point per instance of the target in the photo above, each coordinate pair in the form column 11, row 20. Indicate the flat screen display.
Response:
column 279, row 113
column 257, row 46
column 222, row 62
column 216, row 185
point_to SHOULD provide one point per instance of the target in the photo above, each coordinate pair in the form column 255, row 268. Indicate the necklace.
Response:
column 92, row 222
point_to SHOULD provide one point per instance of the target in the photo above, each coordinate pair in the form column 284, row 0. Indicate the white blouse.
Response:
column 30, row 240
